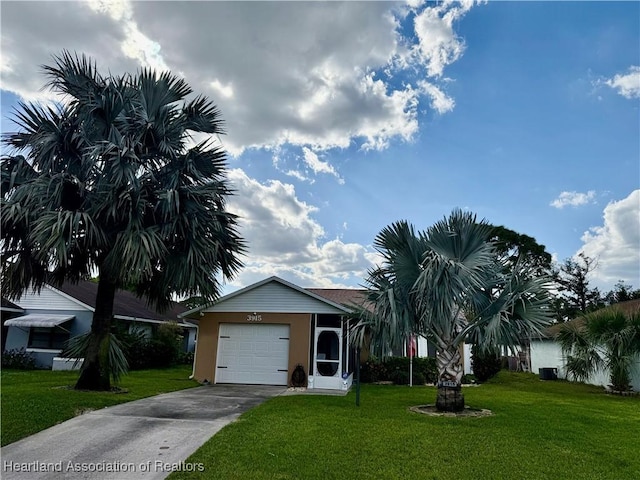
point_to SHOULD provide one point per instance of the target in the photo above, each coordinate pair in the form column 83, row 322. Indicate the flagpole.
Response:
column 410, row 345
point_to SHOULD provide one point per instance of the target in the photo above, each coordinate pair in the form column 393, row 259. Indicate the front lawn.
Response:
column 540, row 430
column 38, row 399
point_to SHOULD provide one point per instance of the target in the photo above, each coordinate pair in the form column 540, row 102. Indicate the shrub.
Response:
column 468, row 379
column 485, row 364
column 163, row 349
column 373, row 370
column 19, row 359
column 400, row 377
column 186, row 358
column 169, row 339
column 396, row 369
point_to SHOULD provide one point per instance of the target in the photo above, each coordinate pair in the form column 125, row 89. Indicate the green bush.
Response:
column 485, row 364
column 19, row 359
column 396, row 369
column 162, row 349
column 400, row 377
column 373, row 370
column 186, row 358
column 468, row 379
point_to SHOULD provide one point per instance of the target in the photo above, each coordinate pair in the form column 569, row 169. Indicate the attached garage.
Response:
column 254, row 354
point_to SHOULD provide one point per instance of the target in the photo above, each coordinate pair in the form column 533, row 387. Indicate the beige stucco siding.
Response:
column 206, row 352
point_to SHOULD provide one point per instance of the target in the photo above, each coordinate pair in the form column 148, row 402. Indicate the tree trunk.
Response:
column 95, row 372
column 450, row 397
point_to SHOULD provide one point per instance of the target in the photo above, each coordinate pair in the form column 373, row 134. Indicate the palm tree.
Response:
column 605, row 340
column 449, row 285
column 110, row 182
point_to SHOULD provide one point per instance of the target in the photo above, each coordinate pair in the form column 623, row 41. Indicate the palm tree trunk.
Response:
column 450, row 397
column 95, row 373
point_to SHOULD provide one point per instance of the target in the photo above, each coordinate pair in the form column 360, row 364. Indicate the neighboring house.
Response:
column 8, row 310
column 47, row 319
column 546, row 353
column 261, row 333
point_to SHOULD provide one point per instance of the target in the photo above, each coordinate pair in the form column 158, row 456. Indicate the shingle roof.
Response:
column 6, row 304
column 629, row 307
column 349, row 297
column 126, row 304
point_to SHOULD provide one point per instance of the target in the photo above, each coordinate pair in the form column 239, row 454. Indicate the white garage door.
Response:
column 256, row 354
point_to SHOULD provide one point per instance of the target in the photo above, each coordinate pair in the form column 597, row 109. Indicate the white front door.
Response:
column 256, row 354
column 327, row 368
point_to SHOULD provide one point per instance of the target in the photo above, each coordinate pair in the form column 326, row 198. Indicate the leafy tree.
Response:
column 517, row 247
column 449, row 285
column 622, row 292
column 577, row 296
column 107, row 183
column 604, row 340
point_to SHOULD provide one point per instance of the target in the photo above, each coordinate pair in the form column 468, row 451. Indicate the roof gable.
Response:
column 49, row 298
column 274, row 295
column 81, row 296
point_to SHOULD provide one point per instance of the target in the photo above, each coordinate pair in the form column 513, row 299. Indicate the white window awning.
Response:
column 38, row 320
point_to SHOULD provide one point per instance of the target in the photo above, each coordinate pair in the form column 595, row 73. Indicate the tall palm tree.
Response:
column 449, row 285
column 605, row 340
column 110, row 182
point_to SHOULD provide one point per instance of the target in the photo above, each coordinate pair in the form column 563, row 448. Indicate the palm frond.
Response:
column 76, row 76
column 118, row 366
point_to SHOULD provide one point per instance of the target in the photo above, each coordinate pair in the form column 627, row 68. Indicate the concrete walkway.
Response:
column 144, row 439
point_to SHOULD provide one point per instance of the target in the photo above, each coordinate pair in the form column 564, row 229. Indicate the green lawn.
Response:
column 540, row 430
column 35, row 400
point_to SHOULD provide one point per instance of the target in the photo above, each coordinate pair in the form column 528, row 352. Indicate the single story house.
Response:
column 42, row 322
column 546, row 353
column 261, row 333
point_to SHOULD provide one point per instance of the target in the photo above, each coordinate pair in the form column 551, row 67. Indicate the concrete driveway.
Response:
column 146, row 438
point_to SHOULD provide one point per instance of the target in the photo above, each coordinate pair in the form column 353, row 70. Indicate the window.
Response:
column 53, row 338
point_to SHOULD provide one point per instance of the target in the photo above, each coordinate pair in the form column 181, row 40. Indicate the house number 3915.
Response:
column 254, row 318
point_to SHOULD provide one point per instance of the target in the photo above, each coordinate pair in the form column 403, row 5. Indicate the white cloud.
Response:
column 616, row 244
column 285, row 240
column 225, row 90
column 628, row 84
column 440, row 102
column 318, row 166
column 438, row 45
column 299, row 175
column 574, row 199
column 319, row 75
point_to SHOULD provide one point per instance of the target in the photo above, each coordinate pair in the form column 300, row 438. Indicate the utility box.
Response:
column 548, row 373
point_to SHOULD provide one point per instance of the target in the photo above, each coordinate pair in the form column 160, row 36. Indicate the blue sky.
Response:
column 345, row 117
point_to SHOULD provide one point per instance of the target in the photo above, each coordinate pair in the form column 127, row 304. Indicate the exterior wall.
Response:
column 207, row 349
column 425, row 349
column 547, row 353
column 467, row 359
column 16, row 338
